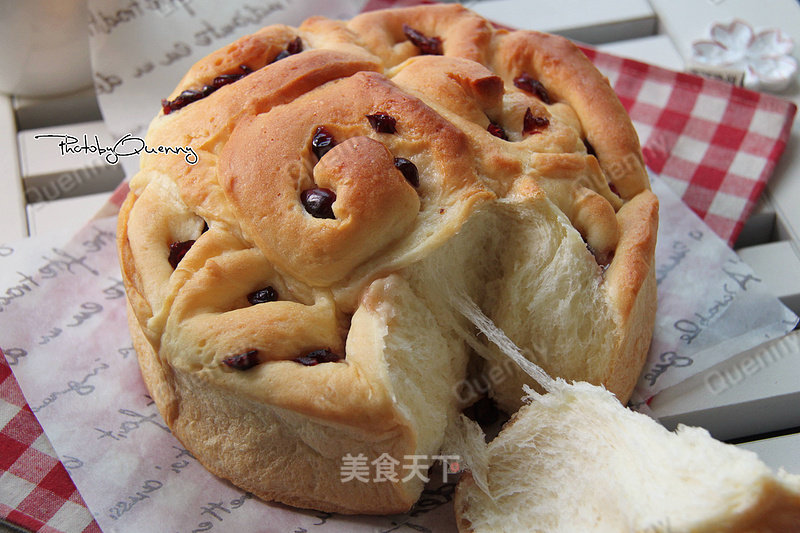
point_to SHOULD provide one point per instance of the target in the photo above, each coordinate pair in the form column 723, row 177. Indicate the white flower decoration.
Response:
column 765, row 58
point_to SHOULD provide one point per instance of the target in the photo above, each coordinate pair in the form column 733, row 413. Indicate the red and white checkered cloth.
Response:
column 715, row 144
column 36, row 493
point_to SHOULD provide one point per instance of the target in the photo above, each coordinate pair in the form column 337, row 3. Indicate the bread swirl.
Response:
column 287, row 293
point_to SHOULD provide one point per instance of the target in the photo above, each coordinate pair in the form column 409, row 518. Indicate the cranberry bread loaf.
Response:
column 289, row 293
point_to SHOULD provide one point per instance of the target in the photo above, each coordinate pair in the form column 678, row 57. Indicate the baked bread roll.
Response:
column 576, row 460
column 290, row 292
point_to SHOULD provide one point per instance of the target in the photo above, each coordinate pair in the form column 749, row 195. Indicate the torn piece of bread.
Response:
column 575, row 460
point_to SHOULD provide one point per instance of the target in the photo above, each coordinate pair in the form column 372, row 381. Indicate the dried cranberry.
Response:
column 225, row 79
column 318, row 356
column 382, row 123
column 426, row 45
column 497, row 131
column 318, row 202
column 242, row 361
column 182, row 100
column 322, row 141
column 532, row 124
column 528, row 84
column 295, row 46
column 189, row 96
column 408, row 169
column 589, row 148
column 261, row 296
column 207, row 90
column 177, row 250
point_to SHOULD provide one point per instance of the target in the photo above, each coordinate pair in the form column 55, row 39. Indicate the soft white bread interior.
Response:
column 575, row 460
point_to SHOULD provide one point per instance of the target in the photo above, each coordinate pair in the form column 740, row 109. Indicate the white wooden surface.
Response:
column 587, row 21
column 12, row 202
column 778, row 452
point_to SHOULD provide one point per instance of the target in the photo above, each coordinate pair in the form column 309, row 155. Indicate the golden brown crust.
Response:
column 463, row 33
column 565, row 71
column 632, row 285
column 346, row 285
column 776, row 511
column 278, row 466
column 375, row 204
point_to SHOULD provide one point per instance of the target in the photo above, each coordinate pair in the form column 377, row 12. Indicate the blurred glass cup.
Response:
column 44, row 47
